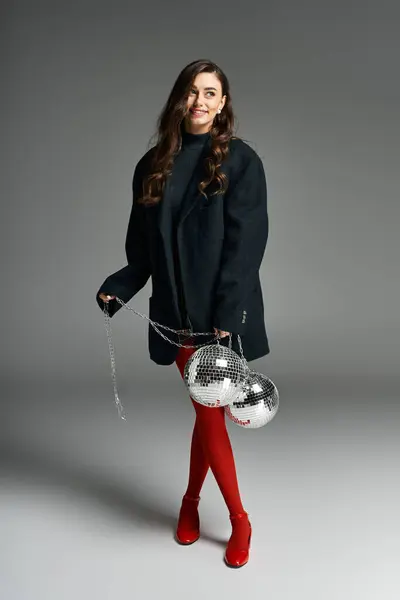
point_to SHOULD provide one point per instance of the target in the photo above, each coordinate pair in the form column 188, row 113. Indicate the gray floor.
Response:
column 89, row 502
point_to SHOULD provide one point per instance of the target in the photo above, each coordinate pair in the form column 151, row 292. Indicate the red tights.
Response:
column 211, row 447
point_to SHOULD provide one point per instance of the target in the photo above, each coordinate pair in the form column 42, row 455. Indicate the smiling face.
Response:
column 205, row 96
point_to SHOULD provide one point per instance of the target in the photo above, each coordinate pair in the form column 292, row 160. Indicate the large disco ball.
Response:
column 257, row 404
column 214, row 375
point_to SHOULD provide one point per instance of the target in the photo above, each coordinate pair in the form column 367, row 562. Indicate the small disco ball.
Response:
column 258, row 403
column 214, row 375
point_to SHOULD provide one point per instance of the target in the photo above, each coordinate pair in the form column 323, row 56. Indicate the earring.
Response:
column 219, row 111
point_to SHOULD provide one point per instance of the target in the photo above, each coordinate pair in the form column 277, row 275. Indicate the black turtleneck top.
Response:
column 184, row 164
column 182, row 170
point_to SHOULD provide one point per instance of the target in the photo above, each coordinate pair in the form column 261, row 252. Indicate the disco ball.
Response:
column 214, row 375
column 258, row 403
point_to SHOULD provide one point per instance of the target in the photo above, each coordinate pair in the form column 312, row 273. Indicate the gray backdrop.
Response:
column 89, row 502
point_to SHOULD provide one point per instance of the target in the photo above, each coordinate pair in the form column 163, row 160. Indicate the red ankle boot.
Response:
column 236, row 556
column 188, row 529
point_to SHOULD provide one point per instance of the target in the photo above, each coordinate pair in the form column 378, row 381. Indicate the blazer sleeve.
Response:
column 246, row 228
column 127, row 282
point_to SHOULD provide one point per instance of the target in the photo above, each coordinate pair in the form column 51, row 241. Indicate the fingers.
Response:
column 220, row 332
column 105, row 297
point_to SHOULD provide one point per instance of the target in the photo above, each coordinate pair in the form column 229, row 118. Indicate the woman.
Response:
column 199, row 227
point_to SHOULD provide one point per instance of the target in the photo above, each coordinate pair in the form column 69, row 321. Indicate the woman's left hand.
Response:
column 220, row 332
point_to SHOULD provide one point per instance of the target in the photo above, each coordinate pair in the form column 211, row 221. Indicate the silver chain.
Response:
column 182, row 333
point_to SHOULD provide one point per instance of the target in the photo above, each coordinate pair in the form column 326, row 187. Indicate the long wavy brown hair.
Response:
column 169, row 137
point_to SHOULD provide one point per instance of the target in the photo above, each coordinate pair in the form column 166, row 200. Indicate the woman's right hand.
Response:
column 106, row 297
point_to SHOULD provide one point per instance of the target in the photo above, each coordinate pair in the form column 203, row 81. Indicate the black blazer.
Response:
column 221, row 242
